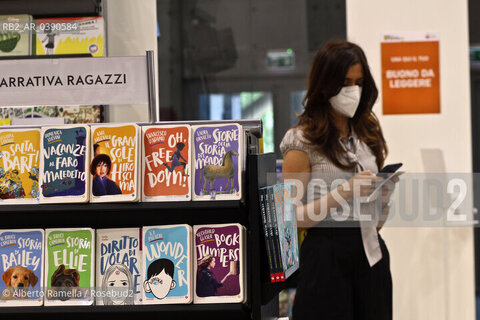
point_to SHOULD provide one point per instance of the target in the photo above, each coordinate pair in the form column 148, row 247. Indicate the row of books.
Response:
column 171, row 264
column 21, row 35
column 121, row 163
column 280, row 230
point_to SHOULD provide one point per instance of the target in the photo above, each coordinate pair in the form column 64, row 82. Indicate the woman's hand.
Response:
column 387, row 190
column 364, row 180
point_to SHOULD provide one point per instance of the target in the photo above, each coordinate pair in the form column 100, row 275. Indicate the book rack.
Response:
column 261, row 293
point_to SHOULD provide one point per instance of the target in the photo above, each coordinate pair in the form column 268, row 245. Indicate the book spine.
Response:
column 273, row 248
column 262, row 201
column 276, row 239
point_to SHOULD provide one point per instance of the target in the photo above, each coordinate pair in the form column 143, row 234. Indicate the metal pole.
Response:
column 152, row 101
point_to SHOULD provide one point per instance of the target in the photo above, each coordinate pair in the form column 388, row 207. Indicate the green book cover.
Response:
column 70, row 266
column 16, row 35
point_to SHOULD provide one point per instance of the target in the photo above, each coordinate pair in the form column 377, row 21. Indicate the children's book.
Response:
column 69, row 266
column 218, row 157
column 64, row 164
column 286, row 224
column 115, row 165
column 167, row 257
column 166, row 163
column 21, row 267
column 16, row 35
column 119, row 266
column 220, row 263
column 70, row 36
column 19, row 166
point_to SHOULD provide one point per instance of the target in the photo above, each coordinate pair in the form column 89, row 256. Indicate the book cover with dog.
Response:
column 219, row 263
column 19, row 166
column 166, row 163
column 114, row 168
column 21, row 267
column 119, row 266
column 167, row 264
column 64, row 164
column 218, row 157
column 69, row 266
column 73, row 35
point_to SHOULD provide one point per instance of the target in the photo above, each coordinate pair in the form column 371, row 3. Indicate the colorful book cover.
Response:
column 287, row 227
column 166, row 163
column 115, row 164
column 64, row 164
column 19, row 166
column 119, row 266
column 5, row 122
column 167, row 257
column 70, row 36
column 218, row 156
column 16, row 35
column 69, row 266
column 220, row 263
column 21, row 267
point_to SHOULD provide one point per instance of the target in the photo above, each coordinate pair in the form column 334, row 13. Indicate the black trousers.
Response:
column 336, row 281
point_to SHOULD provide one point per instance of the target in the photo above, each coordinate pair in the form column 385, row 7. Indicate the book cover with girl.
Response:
column 21, row 267
column 166, row 163
column 119, row 266
column 218, row 157
column 167, row 264
column 220, row 263
column 114, row 166
column 64, row 164
column 69, row 266
column 19, row 166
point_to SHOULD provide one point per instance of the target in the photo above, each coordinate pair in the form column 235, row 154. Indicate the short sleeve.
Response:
column 293, row 140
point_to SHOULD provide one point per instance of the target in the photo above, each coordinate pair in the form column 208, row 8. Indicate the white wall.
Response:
column 433, row 268
column 131, row 30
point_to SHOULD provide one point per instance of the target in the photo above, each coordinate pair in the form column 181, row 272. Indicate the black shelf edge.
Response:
column 122, row 206
column 218, row 308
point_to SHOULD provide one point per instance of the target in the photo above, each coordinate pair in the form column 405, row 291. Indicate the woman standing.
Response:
column 344, row 266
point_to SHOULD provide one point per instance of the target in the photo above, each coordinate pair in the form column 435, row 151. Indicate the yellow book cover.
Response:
column 19, row 166
column 70, row 36
column 114, row 164
column 5, row 122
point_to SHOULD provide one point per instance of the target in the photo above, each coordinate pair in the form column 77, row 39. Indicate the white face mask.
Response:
column 346, row 101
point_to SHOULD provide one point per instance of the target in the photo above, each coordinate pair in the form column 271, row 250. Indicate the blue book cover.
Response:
column 287, row 227
column 21, row 267
column 64, row 162
column 167, row 267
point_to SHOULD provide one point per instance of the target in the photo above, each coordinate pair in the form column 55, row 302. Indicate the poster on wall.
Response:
column 410, row 73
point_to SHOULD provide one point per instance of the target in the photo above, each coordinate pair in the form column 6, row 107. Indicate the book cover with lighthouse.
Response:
column 114, row 168
column 166, row 164
column 218, row 157
column 219, row 263
column 21, row 267
column 19, row 166
column 64, row 164
column 69, row 266
column 119, row 266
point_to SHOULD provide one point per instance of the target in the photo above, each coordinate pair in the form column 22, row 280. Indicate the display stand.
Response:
column 260, row 293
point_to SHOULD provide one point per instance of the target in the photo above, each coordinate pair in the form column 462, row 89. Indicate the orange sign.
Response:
column 410, row 77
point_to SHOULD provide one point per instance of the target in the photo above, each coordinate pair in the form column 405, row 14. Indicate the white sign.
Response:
column 73, row 81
